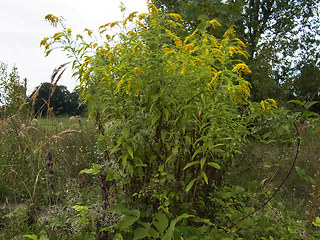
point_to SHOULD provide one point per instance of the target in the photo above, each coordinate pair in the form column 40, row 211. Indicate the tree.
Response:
column 58, row 101
column 12, row 91
column 307, row 84
column 279, row 34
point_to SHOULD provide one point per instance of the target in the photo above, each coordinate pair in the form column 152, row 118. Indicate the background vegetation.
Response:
column 190, row 135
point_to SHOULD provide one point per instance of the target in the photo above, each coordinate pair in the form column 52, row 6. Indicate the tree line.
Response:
column 13, row 96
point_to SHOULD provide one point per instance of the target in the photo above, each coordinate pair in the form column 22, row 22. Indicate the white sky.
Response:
column 22, row 27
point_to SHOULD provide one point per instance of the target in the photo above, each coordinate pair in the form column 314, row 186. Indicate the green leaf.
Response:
column 96, row 168
column 214, row 165
column 204, row 175
column 171, row 229
column 33, row 236
column 190, row 185
column 297, row 102
column 160, row 221
column 190, row 164
column 309, row 114
column 202, row 162
column 163, row 134
column 310, row 104
column 316, row 222
column 140, row 233
column 127, row 221
column 130, row 151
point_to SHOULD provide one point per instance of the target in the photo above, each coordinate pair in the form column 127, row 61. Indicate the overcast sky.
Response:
column 22, row 27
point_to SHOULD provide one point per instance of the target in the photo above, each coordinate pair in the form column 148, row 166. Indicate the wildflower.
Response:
column 137, row 89
column 57, row 36
column 113, row 24
column 213, row 79
column 152, row 9
column 69, row 31
column 120, row 83
column 273, row 102
column 176, row 16
column 240, row 42
column 129, row 18
column 184, row 69
column 241, row 67
column 52, row 19
column 136, row 70
column 214, row 23
column 231, row 31
column 172, row 23
column 140, row 23
column 129, row 86
column 262, row 105
column 190, row 36
column 142, row 16
column 132, row 33
column 88, row 31
column 43, row 41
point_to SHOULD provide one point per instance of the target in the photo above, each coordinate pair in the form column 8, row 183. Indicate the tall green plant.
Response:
column 175, row 113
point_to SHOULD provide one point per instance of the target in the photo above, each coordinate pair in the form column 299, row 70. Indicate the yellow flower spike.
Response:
column 137, row 89
column 140, row 24
column 52, row 19
column 43, row 41
column 88, row 31
column 231, row 31
column 176, row 16
column 152, row 9
column 142, row 16
column 213, row 79
column 132, row 33
column 172, row 23
column 273, row 102
column 57, row 36
column 113, row 24
column 136, row 70
column 129, row 86
column 262, row 105
column 190, row 36
column 120, row 83
column 214, row 23
column 240, row 42
column 184, row 69
column 241, row 67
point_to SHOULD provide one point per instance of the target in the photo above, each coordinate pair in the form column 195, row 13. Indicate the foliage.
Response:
column 12, row 92
column 61, row 101
column 279, row 36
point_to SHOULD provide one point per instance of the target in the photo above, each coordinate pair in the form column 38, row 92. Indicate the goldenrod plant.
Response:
column 173, row 111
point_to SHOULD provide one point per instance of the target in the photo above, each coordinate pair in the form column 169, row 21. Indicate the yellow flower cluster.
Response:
column 241, row 67
column 176, row 16
column 52, row 19
column 214, row 23
column 268, row 104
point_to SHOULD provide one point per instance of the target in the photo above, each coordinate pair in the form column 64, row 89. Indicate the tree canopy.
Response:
column 280, row 35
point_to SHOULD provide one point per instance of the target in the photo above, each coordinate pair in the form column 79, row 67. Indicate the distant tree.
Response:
column 307, row 84
column 61, row 102
column 74, row 105
column 12, row 91
column 58, row 101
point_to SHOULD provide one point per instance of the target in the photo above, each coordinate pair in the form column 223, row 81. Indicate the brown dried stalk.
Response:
column 313, row 202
